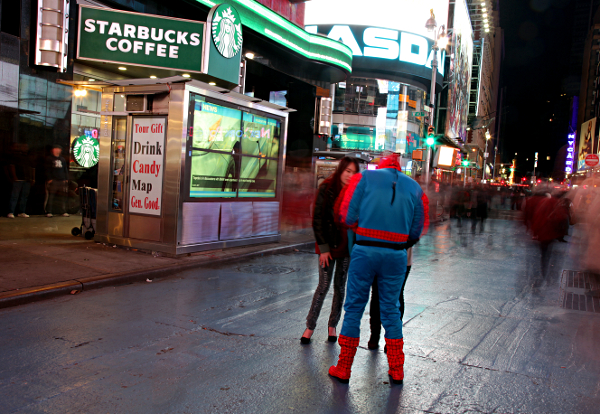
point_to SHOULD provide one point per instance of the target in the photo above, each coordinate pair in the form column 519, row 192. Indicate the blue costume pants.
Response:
column 390, row 267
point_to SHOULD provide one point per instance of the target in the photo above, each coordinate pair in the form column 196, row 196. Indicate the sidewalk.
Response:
column 41, row 259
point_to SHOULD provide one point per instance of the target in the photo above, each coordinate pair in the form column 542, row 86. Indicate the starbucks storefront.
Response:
column 184, row 162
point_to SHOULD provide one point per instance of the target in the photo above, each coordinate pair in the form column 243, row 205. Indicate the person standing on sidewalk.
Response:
column 57, row 176
column 332, row 248
column 21, row 176
column 375, row 312
column 390, row 210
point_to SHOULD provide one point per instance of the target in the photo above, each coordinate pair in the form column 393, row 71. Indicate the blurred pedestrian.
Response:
column 591, row 218
column 389, row 210
column 480, row 199
column 21, row 175
column 332, row 248
column 57, row 176
column 545, row 216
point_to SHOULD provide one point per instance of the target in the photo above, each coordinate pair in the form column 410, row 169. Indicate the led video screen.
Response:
column 233, row 153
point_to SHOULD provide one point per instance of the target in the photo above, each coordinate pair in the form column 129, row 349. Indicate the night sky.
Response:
column 538, row 38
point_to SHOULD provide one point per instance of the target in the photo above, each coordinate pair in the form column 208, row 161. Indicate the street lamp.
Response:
column 485, row 154
column 439, row 40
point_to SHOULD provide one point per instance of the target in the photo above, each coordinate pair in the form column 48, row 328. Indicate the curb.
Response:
column 37, row 293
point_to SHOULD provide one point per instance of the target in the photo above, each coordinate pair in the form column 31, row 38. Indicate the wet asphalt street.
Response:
column 484, row 332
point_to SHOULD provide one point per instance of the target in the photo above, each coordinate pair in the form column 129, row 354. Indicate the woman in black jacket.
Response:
column 332, row 247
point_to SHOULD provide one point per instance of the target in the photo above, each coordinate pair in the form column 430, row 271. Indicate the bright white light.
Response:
column 442, row 42
column 212, row 83
column 92, row 80
column 122, row 68
column 446, row 156
column 487, row 30
column 186, row 75
column 379, row 14
column 249, row 55
column 485, row 15
column 152, row 77
column 484, row 9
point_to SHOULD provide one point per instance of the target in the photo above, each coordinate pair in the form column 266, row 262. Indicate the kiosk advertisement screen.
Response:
column 234, row 153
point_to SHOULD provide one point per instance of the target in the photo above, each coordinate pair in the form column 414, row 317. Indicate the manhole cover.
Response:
column 580, row 291
column 266, row 269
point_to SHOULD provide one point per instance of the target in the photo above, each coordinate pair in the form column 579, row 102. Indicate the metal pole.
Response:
column 495, row 156
column 434, row 64
column 485, row 158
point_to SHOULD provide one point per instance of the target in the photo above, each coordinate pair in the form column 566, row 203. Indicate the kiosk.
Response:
column 186, row 166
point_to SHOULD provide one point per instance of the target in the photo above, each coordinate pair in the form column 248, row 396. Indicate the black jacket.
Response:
column 327, row 233
column 56, row 168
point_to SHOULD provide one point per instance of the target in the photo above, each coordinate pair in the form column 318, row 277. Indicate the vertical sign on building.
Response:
column 569, row 163
column 52, row 36
column 147, row 162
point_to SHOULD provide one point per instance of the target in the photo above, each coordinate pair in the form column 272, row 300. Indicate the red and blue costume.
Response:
column 388, row 212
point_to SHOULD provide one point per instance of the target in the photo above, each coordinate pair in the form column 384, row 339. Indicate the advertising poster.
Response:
column 234, row 153
column 147, row 162
column 460, row 73
column 587, row 143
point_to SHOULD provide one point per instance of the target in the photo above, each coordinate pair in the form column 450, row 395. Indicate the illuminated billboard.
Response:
column 461, row 62
column 445, row 157
column 404, row 15
column 233, row 154
column 587, row 142
column 387, row 41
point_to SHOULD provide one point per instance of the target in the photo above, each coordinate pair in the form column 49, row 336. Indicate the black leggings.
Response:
column 374, row 308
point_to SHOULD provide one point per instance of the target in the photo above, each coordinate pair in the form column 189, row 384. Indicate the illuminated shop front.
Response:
column 187, row 162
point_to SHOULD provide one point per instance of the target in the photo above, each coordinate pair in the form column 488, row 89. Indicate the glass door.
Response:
column 118, row 166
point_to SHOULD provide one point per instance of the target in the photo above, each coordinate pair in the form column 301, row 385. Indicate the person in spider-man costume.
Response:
column 388, row 212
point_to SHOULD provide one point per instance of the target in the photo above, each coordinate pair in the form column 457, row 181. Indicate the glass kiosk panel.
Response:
column 119, row 147
column 233, row 154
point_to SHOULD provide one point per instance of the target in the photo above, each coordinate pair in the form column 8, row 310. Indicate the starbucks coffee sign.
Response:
column 227, row 31
column 86, row 151
column 147, row 40
column 116, row 36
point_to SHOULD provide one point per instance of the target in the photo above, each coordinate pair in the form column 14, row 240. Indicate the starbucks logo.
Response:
column 227, row 31
column 86, row 151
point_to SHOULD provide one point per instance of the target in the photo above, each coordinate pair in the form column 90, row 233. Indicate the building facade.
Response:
column 386, row 104
column 52, row 95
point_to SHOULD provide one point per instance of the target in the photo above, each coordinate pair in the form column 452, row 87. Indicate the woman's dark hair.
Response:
column 335, row 178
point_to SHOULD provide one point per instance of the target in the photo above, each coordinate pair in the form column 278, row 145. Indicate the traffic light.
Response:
column 430, row 141
column 465, row 163
column 430, row 131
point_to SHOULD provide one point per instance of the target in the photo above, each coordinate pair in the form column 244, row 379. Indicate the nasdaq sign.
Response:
column 405, row 52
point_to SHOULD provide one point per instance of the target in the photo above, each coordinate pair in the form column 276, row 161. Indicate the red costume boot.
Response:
column 342, row 371
column 395, row 356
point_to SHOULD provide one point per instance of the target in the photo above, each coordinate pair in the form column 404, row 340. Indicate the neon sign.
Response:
column 388, row 44
column 570, row 153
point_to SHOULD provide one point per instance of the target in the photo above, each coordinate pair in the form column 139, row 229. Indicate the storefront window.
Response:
column 118, row 146
column 397, row 109
column 233, row 153
column 84, row 138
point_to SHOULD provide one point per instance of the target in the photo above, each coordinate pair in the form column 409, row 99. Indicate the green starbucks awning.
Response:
column 270, row 25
